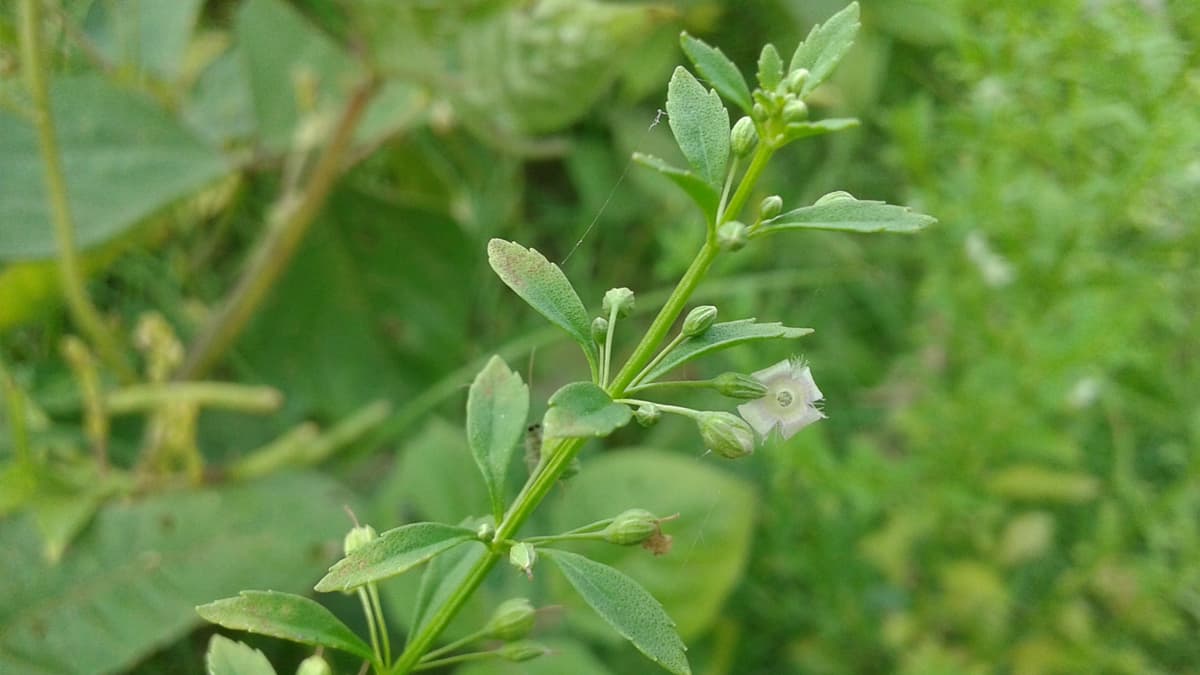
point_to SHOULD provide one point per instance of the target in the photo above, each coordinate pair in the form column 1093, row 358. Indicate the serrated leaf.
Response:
column 722, row 336
column 543, row 285
column 229, row 657
column 123, row 158
column 394, row 552
column 797, row 130
column 130, row 583
column 702, row 193
column 700, row 124
column 625, row 606
column 825, row 46
column 847, row 215
column 770, row 68
column 721, row 73
column 285, row 616
column 497, row 405
column 582, row 409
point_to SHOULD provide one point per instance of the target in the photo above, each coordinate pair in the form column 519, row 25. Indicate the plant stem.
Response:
column 662, row 354
column 377, row 608
column 237, row 397
column 606, row 365
column 366, row 605
column 288, row 223
column 762, row 155
column 669, row 384
column 69, row 268
column 461, row 658
column 15, row 400
column 665, row 407
column 461, row 642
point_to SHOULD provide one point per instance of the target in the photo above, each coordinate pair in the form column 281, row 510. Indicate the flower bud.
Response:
column 512, row 620
column 647, row 414
column 737, row 385
column 358, row 537
column 485, row 532
column 699, row 320
column 600, row 329
column 758, row 112
column 796, row 80
column 795, row 111
column 314, row 665
column 631, row 527
column 523, row 556
column 619, row 298
column 743, row 137
column 732, row 236
column 770, row 207
column 525, row 650
column 726, row 434
column 833, row 197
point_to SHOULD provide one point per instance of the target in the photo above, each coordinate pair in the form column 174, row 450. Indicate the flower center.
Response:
column 784, row 398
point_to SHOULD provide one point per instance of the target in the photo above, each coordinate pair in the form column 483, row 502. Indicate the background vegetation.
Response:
column 1009, row 481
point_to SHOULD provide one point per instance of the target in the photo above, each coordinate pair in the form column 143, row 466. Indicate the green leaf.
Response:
column 847, row 214
column 285, row 616
column 625, row 606
column 713, row 533
column 440, row 580
column 582, row 409
column 825, row 46
column 123, row 157
column 394, row 552
column 700, row 124
column 770, row 68
column 702, row 193
column 797, row 130
column 497, row 405
column 721, row 73
column 543, row 285
column 61, row 515
column 130, row 583
column 722, row 336
column 227, row 657
column 150, row 36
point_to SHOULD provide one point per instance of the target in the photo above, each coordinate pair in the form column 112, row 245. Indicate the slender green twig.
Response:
column 288, row 224
column 242, row 398
column 15, row 400
column 460, row 658
column 70, row 270
column 662, row 354
column 371, row 627
column 669, row 384
column 381, row 621
column 606, row 366
column 456, row 644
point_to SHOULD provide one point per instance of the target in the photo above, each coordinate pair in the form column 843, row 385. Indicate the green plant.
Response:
column 775, row 114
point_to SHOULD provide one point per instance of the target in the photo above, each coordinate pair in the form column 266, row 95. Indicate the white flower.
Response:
column 790, row 400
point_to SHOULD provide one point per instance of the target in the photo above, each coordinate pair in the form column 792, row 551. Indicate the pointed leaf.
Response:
column 625, row 606
column 722, row 336
column 770, row 68
column 582, row 409
column 700, row 124
column 721, row 73
column 543, row 285
column 497, row 405
column 285, row 616
column 797, row 130
column 394, row 552
column 228, row 657
column 849, row 215
column 825, row 46
column 702, row 193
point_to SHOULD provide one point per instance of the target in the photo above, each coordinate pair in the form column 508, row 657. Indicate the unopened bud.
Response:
column 796, row 80
column 732, row 236
column 525, row 650
column 599, row 329
column 759, row 112
column 631, row 527
column 834, row 197
column 523, row 556
column 647, row 414
column 795, row 110
column 620, row 299
column 314, row 665
column 743, row 137
column 770, row 207
column 726, row 434
column 737, row 385
column 699, row 320
column 358, row 537
column 485, row 532
column 512, row 620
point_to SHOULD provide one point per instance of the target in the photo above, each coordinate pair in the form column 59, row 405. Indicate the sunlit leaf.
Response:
column 700, row 124
column 849, row 215
column 825, row 46
column 770, row 68
column 285, row 616
column 797, row 130
column 625, row 606
column 497, row 405
column 394, row 552
column 227, row 657
column 718, row 70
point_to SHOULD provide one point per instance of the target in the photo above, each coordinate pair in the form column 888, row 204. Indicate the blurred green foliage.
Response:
column 1009, row 481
